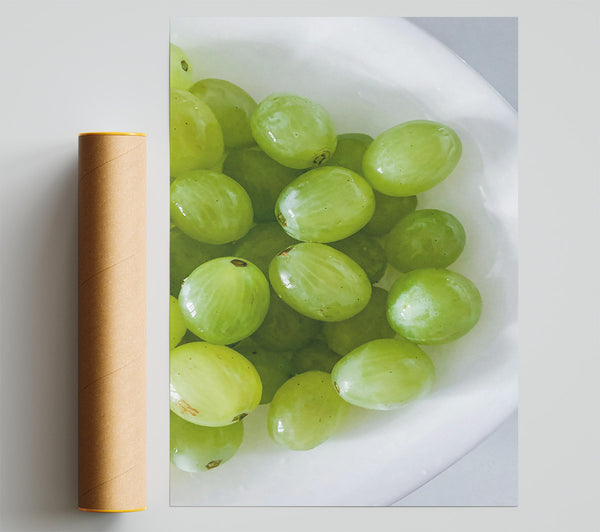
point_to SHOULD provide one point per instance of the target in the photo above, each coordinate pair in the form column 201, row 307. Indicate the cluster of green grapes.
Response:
column 280, row 229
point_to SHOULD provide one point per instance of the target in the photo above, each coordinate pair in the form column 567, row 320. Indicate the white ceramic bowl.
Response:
column 371, row 74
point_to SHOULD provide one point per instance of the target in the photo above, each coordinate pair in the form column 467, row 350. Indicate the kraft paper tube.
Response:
column 112, row 322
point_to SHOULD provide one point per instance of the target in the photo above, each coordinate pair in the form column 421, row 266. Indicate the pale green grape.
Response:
column 232, row 106
column 294, row 131
column 411, row 157
column 210, row 207
column 195, row 448
column 273, row 367
column 187, row 254
column 367, row 252
column 350, row 150
column 262, row 177
column 196, row 138
column 180, row 68
column 383, row 374
column 433, row 306
column 388, row 212
column 305, row 411
column 369, row 324
column 320, row 282
column 177, row 325
column 325, row 204
column 212, row 385
column 284, row 329
column 262, row 243
column 425, row 239
column 224, row 300
column 316, row 356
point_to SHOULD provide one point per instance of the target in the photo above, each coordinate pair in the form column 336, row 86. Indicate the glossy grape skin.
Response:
column 383, row 374
column 187, row 254
column 325, row 204
column 180, row 69
column 388, row 212
column 177, row 325
column 262, row 243
column 320, row 282
column 411, row 157
column 367, row 252
column 195, row 448
column 232, row 106
column 262, row 177
column 212, row 385
column 210, row 207
column 350, row 150
column 224, row 300
column 196, row 138
column 293, row 131
column 273, row 367
column 433, row 306
column 369, row 324
column 428, row 238
column 316, row 356
column 305, row 411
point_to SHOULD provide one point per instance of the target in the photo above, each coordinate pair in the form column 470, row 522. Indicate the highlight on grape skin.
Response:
column 280, row 228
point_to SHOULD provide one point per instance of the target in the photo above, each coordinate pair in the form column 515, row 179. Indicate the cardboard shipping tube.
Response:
column 112, row 322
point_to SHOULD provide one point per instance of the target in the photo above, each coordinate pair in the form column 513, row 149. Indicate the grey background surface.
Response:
column 488, row 475
column 49, row 92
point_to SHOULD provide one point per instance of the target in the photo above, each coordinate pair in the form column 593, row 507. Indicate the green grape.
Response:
column 350, row 150
column 210, row 207
column 367, row 252
column 369, row 324
column 232, row 106
column 218, row 167
column 325, row 204
column 224, row 300
column 383, row 374
column 187, row 254
column 273, row 367
column 196, row 137
column 411, row 157
column 262, row 177
column 262, row 243
column 180, row 69
column 433, row 306
column 284, row 329
column 212, row 385
column 320, row 282
column 314, row 357
column 425, row 239
column 294, row 131
column 388, row 212
column 305, row 411
column 195, row 448
column 177, row 325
